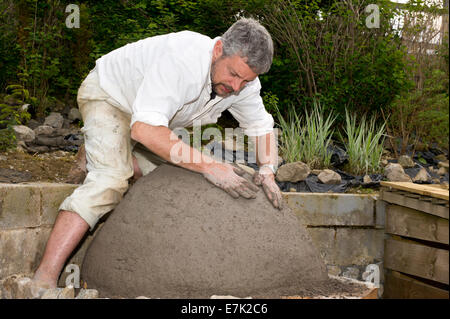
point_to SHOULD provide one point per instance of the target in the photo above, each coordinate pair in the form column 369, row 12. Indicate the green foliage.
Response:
column 324, row 50
column 11, row 113
column 363, row 142
column 423, row 113
column 307, row 140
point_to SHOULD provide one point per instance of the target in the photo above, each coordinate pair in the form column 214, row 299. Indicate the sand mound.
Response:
column 174, row 235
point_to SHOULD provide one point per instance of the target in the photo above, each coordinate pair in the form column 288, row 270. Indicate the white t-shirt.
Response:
column 165, row 81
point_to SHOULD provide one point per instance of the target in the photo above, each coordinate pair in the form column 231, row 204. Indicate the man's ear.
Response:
column 217, row 50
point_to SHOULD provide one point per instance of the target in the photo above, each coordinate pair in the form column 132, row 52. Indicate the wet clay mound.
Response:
column 175, row 235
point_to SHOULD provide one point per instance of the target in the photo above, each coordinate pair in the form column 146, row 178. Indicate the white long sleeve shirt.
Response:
column 165, row 81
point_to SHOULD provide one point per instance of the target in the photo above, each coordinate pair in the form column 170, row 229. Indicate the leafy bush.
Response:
column 422, row 113
column 12, row 113
column 325, row 50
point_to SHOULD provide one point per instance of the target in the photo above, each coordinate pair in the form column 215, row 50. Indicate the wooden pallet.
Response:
column 416, row 256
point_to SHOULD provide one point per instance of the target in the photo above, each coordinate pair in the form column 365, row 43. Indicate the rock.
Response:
column 74, row 115
column 293, row 172
column 23, row 133
column 87, row 294
column 213, row 245
column 436, row 181
column 334, row 270
column 442, row 171
column 20, row 287
column 406, row 162
column 52, row 293
column 33, row 124
column 327, row 176
column 351, row 272
column 67, row 293
column 441, row 158
column 292, row 190
column 443, row 164
column 316, row 171
column 3, row 158
column 367, row 179
column 394, row 173
column 422, row 176
column 44, row 130
column 55, row 120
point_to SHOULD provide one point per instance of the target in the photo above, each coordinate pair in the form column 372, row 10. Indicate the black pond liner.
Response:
column 339, row 157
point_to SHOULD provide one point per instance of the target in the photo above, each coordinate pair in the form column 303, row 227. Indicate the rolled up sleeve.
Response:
column 161, row 93
column 251, row 114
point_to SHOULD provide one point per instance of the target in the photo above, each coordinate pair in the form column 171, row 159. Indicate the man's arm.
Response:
column 160, row 140
column 267, row 158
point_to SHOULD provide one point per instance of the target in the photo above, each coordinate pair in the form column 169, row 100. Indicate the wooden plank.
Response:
column 416, row 259
column 426, row 207
column 409, row 222
column 420, row 189
column 399, row 286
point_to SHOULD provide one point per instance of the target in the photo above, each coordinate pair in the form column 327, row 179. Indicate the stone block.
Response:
column 380, row 213
column 315, row 209
column 19, row 206
column 21, row 250
column 348, row 246
column 52, row 195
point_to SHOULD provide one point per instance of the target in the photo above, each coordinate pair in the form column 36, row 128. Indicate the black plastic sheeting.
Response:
column 339, row 157
column 313, row 185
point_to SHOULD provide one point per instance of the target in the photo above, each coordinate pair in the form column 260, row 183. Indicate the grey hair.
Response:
column 249, row 39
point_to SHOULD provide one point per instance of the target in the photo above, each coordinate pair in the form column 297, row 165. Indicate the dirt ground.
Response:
column 17, row 166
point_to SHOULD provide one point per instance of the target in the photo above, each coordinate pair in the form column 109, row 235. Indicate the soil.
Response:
column 175, row 235
column 18, row 166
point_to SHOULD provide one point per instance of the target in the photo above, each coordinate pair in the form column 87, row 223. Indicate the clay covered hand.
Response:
column 229, row 178
column 265, row 178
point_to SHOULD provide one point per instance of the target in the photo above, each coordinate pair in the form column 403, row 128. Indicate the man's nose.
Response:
column 237, row 84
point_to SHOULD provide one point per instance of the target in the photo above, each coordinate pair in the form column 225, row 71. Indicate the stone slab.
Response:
column 19, row 206
column 52, row 195
column 21, row 250
column 31, row 204
column 348, row 246
column 314, row 209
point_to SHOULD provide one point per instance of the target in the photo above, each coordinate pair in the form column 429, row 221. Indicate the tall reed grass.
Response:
column 363, row 143
column 307, row 139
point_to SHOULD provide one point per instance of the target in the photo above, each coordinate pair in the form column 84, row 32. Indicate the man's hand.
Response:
column 266, row 178
column 229, row 179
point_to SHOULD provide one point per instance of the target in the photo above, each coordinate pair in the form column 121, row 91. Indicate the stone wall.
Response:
column 348, row 229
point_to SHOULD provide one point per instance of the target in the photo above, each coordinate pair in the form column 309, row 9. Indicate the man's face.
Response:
column 230, row 74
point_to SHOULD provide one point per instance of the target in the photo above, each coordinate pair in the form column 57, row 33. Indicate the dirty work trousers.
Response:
column 109, row 151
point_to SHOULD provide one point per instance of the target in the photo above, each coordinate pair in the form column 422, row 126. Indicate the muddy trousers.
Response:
column 109, row 150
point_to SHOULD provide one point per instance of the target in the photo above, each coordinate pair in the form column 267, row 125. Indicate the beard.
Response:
column 221, row 89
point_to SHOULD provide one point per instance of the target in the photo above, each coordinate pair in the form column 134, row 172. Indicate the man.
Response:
column 139, row 93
